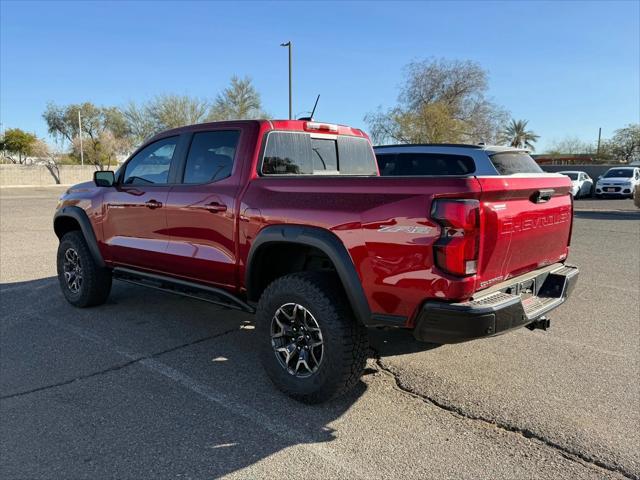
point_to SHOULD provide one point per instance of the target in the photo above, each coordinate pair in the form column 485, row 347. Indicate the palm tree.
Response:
column 517, row 135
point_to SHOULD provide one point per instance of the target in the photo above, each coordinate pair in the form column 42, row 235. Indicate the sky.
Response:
column 566, row 67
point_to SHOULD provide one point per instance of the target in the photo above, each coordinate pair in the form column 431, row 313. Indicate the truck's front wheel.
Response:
column 312, row 347
column 83, row 282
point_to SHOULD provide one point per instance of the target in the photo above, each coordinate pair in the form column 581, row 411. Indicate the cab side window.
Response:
column 150, row 166
column 211, row 156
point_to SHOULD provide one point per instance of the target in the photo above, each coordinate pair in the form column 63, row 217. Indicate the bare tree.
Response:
column 140, row 122
column 440, row 101
column 570, row 146
column 625, row 143
column 48, row 157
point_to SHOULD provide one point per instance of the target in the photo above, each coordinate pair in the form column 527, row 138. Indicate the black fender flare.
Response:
column 80, row 216
column 324, row 241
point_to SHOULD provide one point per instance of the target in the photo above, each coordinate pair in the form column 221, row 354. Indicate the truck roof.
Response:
column 311, row 126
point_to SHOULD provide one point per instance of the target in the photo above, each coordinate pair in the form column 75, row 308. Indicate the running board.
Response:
column 182, row 287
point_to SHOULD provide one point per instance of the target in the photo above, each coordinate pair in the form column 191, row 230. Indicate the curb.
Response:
column 633, row 213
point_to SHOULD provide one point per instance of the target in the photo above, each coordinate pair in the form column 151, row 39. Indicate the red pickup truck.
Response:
column 292, row 220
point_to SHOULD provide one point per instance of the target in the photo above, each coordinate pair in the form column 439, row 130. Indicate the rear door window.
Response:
column 211, row 156
column 508, row 163
column 425, row 164
column 293, row 153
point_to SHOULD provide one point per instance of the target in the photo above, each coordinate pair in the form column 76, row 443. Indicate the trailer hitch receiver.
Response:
column 541, row 323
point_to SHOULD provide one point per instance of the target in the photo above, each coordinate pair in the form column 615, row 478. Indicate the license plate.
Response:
column 610, row 189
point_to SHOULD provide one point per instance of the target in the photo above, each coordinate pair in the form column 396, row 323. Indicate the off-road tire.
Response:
column 96, row 280
column 345, row 340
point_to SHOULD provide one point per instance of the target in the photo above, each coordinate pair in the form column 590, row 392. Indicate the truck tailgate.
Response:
column 526, row 220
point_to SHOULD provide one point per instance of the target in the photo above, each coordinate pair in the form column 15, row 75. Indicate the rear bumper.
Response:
column 512, row 304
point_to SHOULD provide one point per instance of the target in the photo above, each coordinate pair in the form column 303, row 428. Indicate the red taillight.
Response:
column 456, row 251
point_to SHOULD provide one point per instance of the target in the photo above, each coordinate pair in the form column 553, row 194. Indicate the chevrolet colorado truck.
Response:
column 291, row 220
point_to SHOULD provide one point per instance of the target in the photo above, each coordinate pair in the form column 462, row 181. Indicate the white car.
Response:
column 618, row 181
column 581, row 183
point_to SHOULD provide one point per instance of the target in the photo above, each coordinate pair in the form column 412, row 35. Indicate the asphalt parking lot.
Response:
column 155, row 386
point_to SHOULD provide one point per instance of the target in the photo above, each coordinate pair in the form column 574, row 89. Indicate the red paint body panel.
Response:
column 132, row 232
column 395, row 268
column 384, row 223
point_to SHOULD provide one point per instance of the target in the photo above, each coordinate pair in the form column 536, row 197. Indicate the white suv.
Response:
column 618, row 181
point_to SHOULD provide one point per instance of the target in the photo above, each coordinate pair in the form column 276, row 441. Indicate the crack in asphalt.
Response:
column 567, row 453
column 122, row 365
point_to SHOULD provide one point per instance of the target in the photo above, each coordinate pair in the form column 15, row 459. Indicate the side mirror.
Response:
column 104, row 178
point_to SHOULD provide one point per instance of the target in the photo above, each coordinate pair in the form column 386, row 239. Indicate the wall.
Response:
column 39, row 175
column 594, row 171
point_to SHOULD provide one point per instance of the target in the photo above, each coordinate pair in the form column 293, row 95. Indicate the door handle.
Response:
column 153, row 204
column 215, row 207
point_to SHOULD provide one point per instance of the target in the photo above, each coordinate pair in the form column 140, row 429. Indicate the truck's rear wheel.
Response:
column 311, row 346
column 82, row 281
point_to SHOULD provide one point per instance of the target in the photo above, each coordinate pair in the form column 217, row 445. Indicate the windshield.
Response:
column 572, row 176
column 619, row 172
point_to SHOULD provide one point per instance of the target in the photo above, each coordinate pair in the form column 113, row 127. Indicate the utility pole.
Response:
column 599, row 137
column 288, row 44
column 80, row 135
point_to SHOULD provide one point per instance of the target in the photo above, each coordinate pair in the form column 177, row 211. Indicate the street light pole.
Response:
column 289, row 45
column 80, row 136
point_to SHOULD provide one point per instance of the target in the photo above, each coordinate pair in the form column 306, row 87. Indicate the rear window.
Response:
column 572, row 176
column 325, row 155
column 356, row 156
column 417, row 164
column 508, row 163
column 292, row 153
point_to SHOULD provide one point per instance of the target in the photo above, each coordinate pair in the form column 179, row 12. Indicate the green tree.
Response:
column 624, row 146
column 516, row 135
column 105, row 132
column 239, row 101
column 17, row 142
column 440, row 101
column 163, row 113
